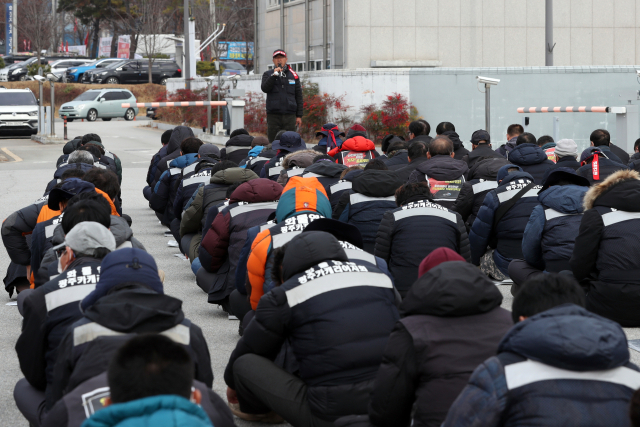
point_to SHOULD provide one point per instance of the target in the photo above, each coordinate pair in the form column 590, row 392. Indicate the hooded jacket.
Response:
column 549, row 238
column 194, row 217
column 405, row 172
column 236, row 148
column 126, row 309
column 327, row 174
column 481, row 152
column 532, row 159
column 110, row 159
column 565, row 162
column 294, row 164
column 249, row 205
column 562, row 367
column 458, row 147
column 17, row 226
column 179, row 134
column 506, row 238
column 605, row 255
column 481, row 178
column 372, row 194
column 620, row 153
column 164, row 192
column 411, row 232
column 302, row 201
column 314, row 311
column 451, row 322
column 506, row 148
column 445, row 176
column 339, row 192
column 86, row 399
column 356, row 151
column 159, row 411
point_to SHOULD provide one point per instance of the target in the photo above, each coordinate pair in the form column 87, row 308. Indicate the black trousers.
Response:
column 239, row 304
column 263, row 387
column 278, row 122
column 520, row 271
column 30, row 401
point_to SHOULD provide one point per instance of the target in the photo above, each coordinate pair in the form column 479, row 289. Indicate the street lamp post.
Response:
column 488, row 82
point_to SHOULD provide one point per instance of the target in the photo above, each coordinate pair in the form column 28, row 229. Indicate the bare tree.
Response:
column 153, row 23
column 36, row 21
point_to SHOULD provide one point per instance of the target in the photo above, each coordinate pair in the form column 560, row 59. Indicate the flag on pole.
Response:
column 67, row 47
column 86, row 39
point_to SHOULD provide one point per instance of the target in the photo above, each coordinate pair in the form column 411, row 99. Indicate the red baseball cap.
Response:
column 279, row 52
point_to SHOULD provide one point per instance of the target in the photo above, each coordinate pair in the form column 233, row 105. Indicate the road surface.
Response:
column 24, row 180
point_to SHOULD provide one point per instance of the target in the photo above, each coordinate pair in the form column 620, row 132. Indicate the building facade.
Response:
column 350, row 34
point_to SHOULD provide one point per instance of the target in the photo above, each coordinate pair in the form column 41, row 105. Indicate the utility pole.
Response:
column 548, row 39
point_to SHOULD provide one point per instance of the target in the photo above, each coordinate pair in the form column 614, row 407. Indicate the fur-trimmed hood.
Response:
column 301, row 159
column 597, row 193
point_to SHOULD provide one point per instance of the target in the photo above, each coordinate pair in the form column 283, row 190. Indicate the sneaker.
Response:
column 269, row 418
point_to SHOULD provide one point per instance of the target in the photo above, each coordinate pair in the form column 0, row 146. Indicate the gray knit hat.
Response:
column 566, row 147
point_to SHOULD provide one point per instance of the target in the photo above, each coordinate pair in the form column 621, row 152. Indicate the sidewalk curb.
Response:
column 47, row 139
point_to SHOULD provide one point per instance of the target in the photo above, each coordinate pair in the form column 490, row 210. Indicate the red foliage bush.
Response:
column 255, row 113
column 192, row 116
column 393, row 116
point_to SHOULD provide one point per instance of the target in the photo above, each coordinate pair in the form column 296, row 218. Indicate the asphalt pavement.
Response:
column 23, row 178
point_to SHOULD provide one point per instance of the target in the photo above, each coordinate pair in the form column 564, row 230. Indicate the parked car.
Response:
column 76, row 74
column 135, row 71
column 105, row 104
column 18, row 71
column 59, row 67
column 233, row 68
column 152, row 113
column 18, row 112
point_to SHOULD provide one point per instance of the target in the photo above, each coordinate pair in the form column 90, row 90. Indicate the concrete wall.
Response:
column 452, row 94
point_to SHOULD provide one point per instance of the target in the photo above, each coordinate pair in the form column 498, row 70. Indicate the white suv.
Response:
column 18, row 111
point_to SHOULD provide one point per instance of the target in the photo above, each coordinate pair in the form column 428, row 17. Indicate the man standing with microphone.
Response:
column 284, row 96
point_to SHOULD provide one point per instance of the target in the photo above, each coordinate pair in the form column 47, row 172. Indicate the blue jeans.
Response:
column 195, row 266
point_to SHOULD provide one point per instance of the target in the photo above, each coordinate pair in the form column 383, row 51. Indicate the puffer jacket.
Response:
column 552, row 229
column 154, row 163
column 532, row 159
column 481, row 152
column 193, row 176
column 195, row 216
column 445, row 176
column 564, row 162
column 562, row 367
column 326, row 172
column 249, row 205
column 165, row 190
column 634, row 162
column 158, row 411
column 409, row 233
column 458, row 147
column 339, row 192
column 127, row 309
column 481, row 179
column 620, row 153
column 372, row 194
column 236, row 148
column 257, row 157
column 322, row 326
column 453, row 310
column 294, row 164
column 302, row 201
column 397, row 159
column 271, row 168
column 507, row 147
column 57, row 176
column 356, row 151
column 506, row 238
column 606, row 168
column 179, row 134
column 605, row 256
column 19, row 225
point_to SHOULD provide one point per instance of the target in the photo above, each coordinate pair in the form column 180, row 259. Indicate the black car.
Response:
column 134, row 71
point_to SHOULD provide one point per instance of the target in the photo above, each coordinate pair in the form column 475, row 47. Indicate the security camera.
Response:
column 210, row 78
column 234, row 77
column 638, row 73
column 487, row 80
column 40, row 78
